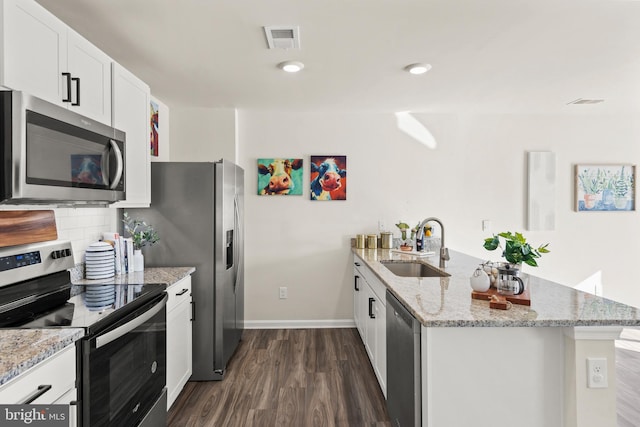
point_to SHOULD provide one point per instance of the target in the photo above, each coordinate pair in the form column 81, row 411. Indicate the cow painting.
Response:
column 328, row 178
column 279, row 177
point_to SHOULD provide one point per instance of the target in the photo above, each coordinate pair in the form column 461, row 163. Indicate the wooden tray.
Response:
column 522, row 299
column 21, row 227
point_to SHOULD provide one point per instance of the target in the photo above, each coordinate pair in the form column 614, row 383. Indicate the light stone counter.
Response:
column 150, row 276
column 21, row 349
column 447, row 302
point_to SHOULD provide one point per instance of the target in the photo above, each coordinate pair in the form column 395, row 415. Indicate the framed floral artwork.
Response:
column 605, row 188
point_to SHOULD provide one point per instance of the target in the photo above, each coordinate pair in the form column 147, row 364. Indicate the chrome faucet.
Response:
column 444, row 252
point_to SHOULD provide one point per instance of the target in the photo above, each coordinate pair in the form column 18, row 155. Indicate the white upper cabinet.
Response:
column 92, row 69
column 131, row 114
column 41, row 55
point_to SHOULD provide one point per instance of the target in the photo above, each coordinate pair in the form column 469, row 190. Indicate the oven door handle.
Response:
column 120, row 331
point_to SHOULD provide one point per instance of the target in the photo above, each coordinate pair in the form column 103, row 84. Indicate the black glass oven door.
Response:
column 124, row 368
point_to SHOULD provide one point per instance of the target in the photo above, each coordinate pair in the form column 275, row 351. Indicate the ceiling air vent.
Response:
column 283, row 37
column 581, row 101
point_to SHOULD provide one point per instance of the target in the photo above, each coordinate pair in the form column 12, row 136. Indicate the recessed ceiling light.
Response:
column 291, row 66
column 418, row 68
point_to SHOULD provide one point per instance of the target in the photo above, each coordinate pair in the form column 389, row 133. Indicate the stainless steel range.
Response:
column 121, row 359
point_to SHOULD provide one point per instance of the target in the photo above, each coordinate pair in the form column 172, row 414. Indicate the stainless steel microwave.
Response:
column 53, row 155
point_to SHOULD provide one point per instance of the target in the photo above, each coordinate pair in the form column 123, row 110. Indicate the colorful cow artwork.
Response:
column 280, row 177
column 328, row 177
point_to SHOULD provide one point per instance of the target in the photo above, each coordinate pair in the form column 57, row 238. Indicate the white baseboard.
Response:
column 299, row 324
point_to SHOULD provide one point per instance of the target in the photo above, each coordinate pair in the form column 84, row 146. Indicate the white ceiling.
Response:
column 487, row 55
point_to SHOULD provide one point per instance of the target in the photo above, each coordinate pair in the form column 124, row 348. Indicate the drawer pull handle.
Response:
column 182, row 292
column 42, row 389
column 356, row 283
column 357, row 264
column 371, row 301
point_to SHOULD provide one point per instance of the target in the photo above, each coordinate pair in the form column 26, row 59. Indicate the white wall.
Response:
column 477, row 172
column 202, row 134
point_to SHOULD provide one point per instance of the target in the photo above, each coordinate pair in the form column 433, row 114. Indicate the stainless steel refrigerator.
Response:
column 197, row 210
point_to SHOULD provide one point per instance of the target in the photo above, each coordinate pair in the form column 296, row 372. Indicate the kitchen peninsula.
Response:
column 524, row 366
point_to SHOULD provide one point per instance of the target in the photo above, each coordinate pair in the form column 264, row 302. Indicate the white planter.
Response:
column 138, row 260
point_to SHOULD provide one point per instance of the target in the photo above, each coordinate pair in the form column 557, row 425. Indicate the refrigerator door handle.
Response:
column 236, row 223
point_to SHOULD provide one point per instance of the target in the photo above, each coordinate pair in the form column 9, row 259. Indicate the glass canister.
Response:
column 386, row 240
column 361, row 241
column 372, row 241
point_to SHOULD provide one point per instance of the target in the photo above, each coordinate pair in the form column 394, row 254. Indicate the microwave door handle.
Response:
column 120, row 166
column 120, row 331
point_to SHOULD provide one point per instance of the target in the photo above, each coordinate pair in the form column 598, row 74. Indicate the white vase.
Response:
column 138, row 260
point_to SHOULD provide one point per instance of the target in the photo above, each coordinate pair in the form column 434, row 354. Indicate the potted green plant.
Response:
column 592, row 183
column 405, row 244
column 516, row 249
column 142, row 234
column 621, row 186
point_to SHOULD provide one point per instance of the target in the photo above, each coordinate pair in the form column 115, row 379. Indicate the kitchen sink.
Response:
column 413, row 269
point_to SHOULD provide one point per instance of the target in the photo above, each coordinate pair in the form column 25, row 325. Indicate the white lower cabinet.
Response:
column 179, row 341
column 369, row 306
column 50, row 381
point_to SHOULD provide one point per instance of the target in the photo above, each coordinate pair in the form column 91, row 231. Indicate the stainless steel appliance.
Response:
column 197, row 209
column 51, row 154
column 404, row 401
column 121, row 359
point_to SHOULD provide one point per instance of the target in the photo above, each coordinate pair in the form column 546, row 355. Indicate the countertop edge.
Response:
column 462, row 282
column 56, row 340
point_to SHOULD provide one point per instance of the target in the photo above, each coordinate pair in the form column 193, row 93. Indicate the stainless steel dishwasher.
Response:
column 404, row 401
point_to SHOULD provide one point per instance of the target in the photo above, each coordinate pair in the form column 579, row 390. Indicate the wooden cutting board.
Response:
column 21, row 227
column 522, row 299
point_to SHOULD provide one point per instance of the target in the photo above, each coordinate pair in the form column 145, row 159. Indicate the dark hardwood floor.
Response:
column 288, row 377
column 322, row 377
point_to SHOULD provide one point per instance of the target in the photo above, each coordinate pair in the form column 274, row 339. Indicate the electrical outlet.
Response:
column 597, row 372
column 486, row 225
column 381, row 225
column 283, row 292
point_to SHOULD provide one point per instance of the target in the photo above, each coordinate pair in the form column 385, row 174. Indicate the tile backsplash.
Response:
column 83, row 226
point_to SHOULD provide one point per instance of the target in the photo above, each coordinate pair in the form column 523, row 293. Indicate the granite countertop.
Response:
column 21, row 349
column 447, row 302
column 156, row 276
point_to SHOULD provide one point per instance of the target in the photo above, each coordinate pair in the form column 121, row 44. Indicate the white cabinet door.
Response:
column 179, row 338
column 358, row 283
column 131, row 115
column 44, row 57
column 369, row 311
column 381, row 344
column 34, row 50
column 91, row 92
column 370, row 329
column 51, row 380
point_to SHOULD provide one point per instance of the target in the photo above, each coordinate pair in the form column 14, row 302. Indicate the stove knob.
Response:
column 67, row 252
column 55, row 254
